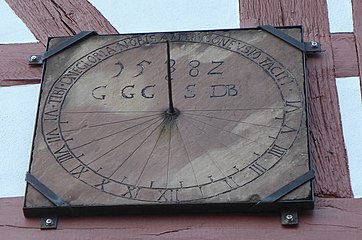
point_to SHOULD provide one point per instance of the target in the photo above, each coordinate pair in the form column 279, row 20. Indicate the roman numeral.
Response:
column 202, row 193
column 51, row 115
column 257, row 168
column 101, row 185
column 132, row 192
column 287, row 129
column 168, row 195
column 62, row 154
column 53, row 136
column 78, row 171
column 230, row 182
column 277, row 151
column 293, row 106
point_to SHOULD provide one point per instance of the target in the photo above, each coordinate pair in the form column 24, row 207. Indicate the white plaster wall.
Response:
column 17, row 116
column 12, row 29
column 130, row 16
column 349, row 95
column 340, row 15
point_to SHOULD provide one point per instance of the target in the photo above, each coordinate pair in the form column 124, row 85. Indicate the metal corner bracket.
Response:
column 306, row 47
column 45, row 191
column 296, row 183
column 37, row 60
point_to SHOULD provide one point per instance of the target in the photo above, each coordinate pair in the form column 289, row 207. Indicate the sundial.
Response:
column 177, row 121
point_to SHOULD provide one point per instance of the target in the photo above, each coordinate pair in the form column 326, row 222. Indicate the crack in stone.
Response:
column 169, row 231
column 22, row 227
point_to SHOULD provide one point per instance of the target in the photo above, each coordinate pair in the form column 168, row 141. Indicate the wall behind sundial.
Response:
column 18, row 32
column 169, row 15
column 17, row 104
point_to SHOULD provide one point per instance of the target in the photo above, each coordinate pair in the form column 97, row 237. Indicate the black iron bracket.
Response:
column 306, row 47
column 39, row 59
column 308, row 176
column 288, row 217
column 47, row 223
column 45, row 191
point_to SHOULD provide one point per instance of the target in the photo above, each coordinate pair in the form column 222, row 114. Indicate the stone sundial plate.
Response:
column 105, row 141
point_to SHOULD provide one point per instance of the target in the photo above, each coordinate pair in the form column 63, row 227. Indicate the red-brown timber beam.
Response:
column 331, row 219
column 327, row 144
column 48, row 18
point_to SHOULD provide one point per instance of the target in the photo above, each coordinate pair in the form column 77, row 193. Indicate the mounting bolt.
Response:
column 33, row 58
column 49, row 222
column 289, row 217
column 36, row 60
column 314, row 44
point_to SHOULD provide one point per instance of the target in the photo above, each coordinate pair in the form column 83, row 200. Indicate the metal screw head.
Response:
column 314, row 44
column 48, row 222
column 289, row 218
column 33, row 58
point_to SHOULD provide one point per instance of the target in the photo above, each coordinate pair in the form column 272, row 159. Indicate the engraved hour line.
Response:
column 230, row 120
column 224, row 145
column 120, row 112
column 149, row 156
column 138, row 147
column 110, row 123
column 250, row 140
column 188, row 156
column 115, row 133
column 206, row 150
column 235, row 154
column 229, row 109
column 255, row 166
column 169, row 153
column 112, row 149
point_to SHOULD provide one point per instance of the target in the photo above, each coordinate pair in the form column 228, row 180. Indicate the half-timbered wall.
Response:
column 332, row 104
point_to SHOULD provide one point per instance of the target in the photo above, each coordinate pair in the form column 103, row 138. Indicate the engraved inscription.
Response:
column 168, row 196
column 62, row 154
column 215, row 70
column 132, row 192
column 277, row 151
column 78, row 171
column 257, row 168
column 222, row 90
column 53, row 136
column 293, row 105
column 102, row 184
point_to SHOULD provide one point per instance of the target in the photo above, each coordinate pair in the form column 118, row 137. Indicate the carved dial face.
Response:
column 240, row 114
